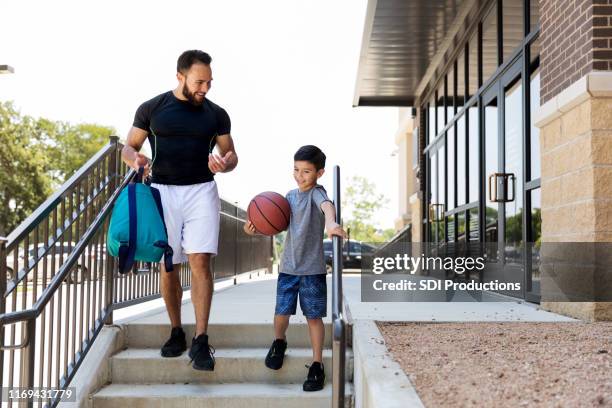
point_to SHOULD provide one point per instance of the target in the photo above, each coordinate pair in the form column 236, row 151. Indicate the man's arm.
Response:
column 227, row 160
column 332, row 227
column 130, row 152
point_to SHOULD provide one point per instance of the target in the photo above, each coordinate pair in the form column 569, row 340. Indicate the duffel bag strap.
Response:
column 167, row 248
column 127, row 253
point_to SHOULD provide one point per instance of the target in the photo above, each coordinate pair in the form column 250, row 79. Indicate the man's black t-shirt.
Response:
column 184, row 135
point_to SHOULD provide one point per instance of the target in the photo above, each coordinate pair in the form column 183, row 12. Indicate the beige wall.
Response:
column 576, row 154
column 406, row 178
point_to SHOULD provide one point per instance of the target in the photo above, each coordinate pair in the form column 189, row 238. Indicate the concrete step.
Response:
column 215, row 395
column 239, row 335
column 232, row 366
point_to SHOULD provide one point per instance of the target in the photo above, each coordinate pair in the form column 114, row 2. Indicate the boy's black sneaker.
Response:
column 201, row 353
column 274, row 359
column 316, row 377
column 176, row 344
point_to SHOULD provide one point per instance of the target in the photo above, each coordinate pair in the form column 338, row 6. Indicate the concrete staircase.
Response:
column 140, row 377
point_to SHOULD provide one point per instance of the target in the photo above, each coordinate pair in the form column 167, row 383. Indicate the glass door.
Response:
column 504, row 235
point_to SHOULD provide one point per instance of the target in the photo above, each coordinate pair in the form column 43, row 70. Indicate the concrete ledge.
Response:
column 94, row 373
column 379, row 381
column 594, row 84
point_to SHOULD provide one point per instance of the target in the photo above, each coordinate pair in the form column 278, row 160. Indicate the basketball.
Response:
column 269, row 212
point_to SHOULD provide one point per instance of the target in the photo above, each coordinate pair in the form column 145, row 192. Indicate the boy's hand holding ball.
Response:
column 249, row 228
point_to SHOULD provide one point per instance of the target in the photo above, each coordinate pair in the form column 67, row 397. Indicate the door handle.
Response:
column 434, row 212
column 503, row 181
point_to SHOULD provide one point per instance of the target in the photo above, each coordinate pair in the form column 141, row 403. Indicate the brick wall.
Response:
column 576, row 38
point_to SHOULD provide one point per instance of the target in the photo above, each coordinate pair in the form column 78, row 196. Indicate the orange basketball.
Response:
column 269, row 212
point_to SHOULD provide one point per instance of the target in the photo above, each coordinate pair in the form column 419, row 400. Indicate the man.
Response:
column 183, row 126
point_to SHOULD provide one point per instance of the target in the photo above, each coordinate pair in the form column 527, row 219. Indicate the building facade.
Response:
column 512, row 125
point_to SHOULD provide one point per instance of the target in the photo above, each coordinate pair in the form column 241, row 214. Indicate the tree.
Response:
column 70, row 146
column 37, row 156
column 361, row 203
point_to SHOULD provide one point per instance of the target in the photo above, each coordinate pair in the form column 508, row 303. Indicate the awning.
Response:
column 400, row 41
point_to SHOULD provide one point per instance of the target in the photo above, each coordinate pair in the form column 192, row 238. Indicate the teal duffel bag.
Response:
column 137, row 231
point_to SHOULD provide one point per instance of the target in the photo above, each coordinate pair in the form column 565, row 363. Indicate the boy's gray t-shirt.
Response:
column 303, row 249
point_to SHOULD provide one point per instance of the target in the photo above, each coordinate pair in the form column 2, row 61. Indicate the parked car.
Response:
column 351, row 257
column 34, row 255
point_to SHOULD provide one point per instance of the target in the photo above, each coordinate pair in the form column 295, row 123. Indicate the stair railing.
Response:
column 338, row 321
column 59, row 287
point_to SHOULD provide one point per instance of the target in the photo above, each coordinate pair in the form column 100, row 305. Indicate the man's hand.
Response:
column 142, row 161
column 218, row 164
column 334, row 228
column 249, row 228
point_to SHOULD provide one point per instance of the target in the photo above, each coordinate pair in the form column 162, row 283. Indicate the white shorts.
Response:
column 192, row 216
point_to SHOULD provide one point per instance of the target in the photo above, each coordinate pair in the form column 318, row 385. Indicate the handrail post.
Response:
column 28, row 354
column 3, row 269
column 338, row 327
column 113, row 174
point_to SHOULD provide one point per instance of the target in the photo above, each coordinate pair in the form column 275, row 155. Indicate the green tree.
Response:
column 70, row 146
column 36, row 157
column 361, row 203
column 24, row 182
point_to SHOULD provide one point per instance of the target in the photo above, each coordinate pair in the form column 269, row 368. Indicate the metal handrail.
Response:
column 59, row 315
column 56, row 281
column 338, row 321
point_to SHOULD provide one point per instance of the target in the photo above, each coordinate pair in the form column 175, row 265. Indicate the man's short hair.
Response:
column 311, row 154
column 188, row 58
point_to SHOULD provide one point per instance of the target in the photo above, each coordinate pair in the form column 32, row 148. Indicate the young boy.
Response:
column 302, row 269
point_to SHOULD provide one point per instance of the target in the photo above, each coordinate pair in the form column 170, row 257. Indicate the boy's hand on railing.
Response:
column 334, row 228
column 249, row 228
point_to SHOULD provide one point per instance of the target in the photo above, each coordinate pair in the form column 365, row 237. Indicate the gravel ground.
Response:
column 505, row 364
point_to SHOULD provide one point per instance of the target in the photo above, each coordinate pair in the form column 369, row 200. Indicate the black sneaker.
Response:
column 201, row 353
column 316, row 377
column 274, row 359
column 176, row 344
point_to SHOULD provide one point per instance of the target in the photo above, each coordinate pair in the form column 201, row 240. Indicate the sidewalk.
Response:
column 253, row 302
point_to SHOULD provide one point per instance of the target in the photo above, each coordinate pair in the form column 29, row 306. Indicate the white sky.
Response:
column 284, row 70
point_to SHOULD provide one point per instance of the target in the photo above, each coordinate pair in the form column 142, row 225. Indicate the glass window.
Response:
column 434, row 208
column 460, row 95
column 513, row 30
column 491, row 167
column 513, row 141
column 461, row 227
column 473, row 233
column 450, row 148
column 450, row 95
column 432, row 119
column 534, row 14
column 441, row 108
column 450, row 227
column 461, row 152
column 433, row 186
column 473, row 77
column 489, row 44
column 441, row 192
column 536, row 216
column 534, row 50
column 473, row 156
column 534, row 105
column 536, row 234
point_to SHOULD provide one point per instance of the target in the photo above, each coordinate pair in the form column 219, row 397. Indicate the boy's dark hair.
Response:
column 190, row 57
column 311, row 154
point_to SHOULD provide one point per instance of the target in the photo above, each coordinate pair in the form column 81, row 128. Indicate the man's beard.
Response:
column 191, row 97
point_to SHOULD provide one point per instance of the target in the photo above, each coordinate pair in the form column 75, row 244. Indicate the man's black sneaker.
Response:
column 316, row 377
column 201, row 353
column 274, row 359
column 176, row 344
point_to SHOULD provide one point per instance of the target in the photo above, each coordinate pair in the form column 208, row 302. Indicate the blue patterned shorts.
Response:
column 312, row 290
